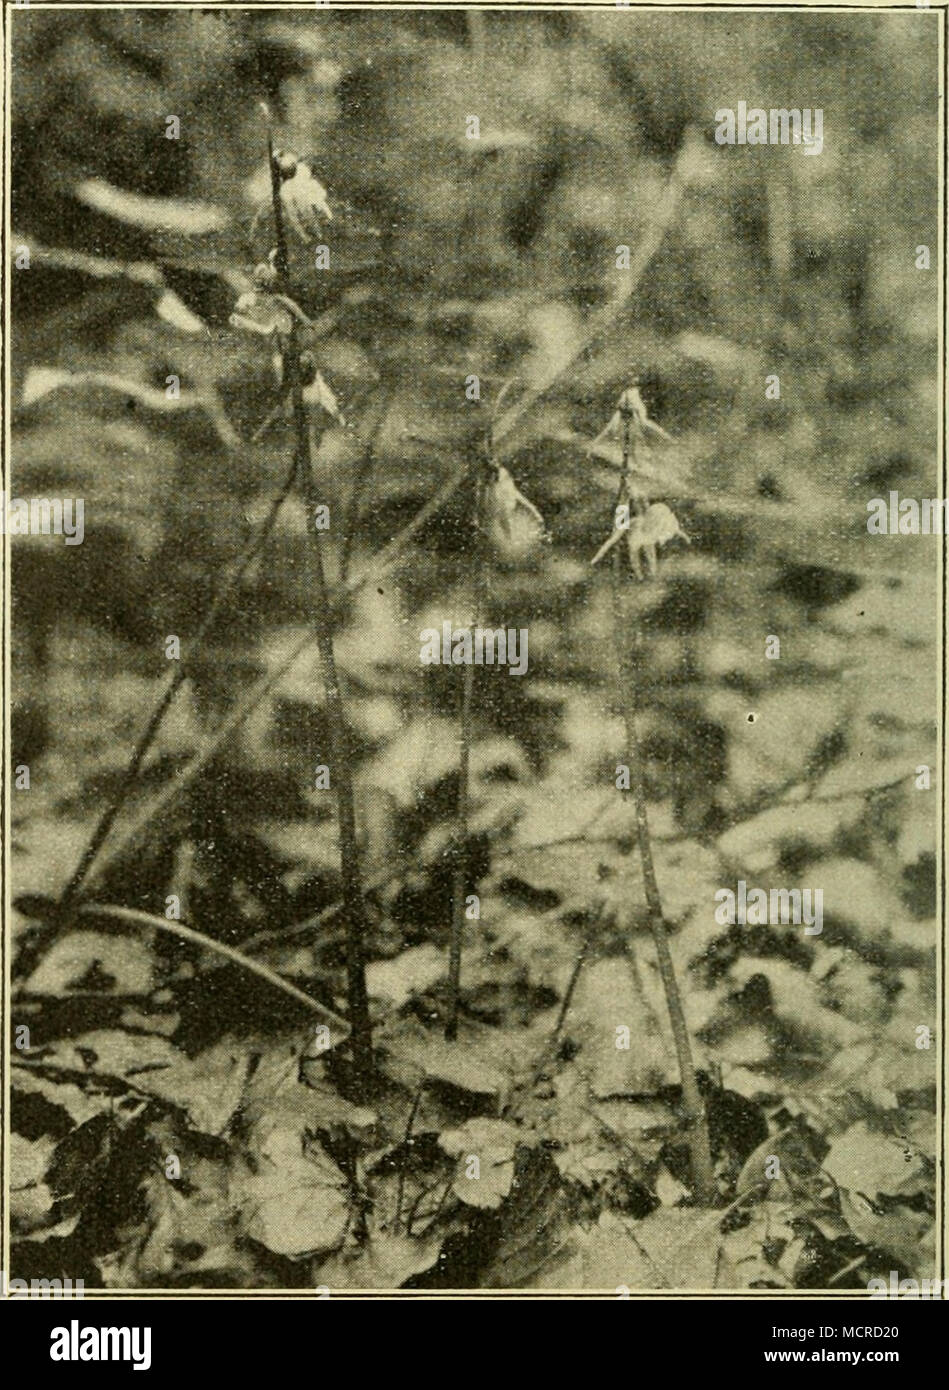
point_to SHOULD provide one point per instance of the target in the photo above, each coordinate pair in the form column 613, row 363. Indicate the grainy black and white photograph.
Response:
column 474, row 529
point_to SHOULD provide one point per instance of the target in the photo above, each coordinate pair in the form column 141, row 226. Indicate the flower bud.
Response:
column 630, row 401
column 286, row 163
column 632, row 407
column 320, row 393
column 661, row 524
column 265, row 276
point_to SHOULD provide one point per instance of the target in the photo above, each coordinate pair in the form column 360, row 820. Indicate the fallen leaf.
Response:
column 492, row 1143
column 864, row 1160
column 296, row 1203
column 384, row 1262
column 31, row 1201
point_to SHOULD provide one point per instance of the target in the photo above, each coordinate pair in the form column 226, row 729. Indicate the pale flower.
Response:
column 512, row 524
column 303, row 199
column 258, row 312
column 645, row 533
column 631, row 406
column 304, row 202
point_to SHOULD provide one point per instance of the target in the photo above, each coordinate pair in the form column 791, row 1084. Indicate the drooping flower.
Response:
column 316, row 389
column 304, row 201
column 257, row 312
column 318, row 392
column 286, row 163
column 512, row 524
column 631, row 406
column 644, row 534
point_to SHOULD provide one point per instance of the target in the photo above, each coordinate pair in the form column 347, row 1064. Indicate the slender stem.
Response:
column 360, row 1083
column 403, row 1157
column 627, row 634
column 354, row 906
column 459, row 880
column 569, row 993
column 459, row 875
column 847, row 1269
column 282, row 258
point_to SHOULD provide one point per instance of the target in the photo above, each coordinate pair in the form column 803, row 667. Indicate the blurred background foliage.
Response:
column 452, row 256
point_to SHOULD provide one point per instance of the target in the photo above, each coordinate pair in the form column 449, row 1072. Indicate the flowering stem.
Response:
column 627, row 633
column 459, row 881
column 459, row 855
column 282, row 258
column 354, row 907
column 360, row 1082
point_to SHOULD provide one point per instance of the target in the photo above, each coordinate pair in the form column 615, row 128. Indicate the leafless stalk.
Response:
column 360, row 1082
column 627, row 637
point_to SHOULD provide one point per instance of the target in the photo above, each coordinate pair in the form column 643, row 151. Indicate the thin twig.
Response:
column 847, row 1269
column 568, row 993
